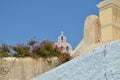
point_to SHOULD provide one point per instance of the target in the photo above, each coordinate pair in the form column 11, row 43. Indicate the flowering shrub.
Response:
column 32, row 42
column 45, row 49
column 21, row 50
column 64, row 58
column 4, row 50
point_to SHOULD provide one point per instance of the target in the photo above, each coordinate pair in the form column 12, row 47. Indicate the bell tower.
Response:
column 63, row 45
column 109, row 13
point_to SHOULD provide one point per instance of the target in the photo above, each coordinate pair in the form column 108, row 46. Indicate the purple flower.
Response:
column 42, row 45
column 33, row 47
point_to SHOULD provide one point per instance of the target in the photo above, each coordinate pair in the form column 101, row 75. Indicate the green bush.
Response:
column 21, row 50
column 4, row 50
column 32, row 42
column 47, row 49
column 44, row 49
column 64, row 58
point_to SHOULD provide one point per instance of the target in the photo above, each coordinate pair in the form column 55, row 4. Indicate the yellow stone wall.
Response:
column 106, row 19
column 116, row 21
column 116, row 33
column 106, row 34
column 106, row 16
column 26, row 68
column 109, row 14
column 116, row 15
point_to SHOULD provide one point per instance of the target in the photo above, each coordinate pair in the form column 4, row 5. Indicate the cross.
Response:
column 62, row 32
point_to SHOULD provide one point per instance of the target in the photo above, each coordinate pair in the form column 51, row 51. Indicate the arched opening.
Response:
column 62, row 39
column 67, row 49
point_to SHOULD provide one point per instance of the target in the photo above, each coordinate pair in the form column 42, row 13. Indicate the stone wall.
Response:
column 26, row 68
column 109, row 14
column 92, row 36
column 103, row 29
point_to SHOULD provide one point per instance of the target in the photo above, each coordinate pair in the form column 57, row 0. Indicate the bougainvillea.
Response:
column 48, row 49
column 32, row 42
column 64, row 58
column 45, row 49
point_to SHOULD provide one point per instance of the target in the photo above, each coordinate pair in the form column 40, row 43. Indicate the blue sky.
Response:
column 21, row 20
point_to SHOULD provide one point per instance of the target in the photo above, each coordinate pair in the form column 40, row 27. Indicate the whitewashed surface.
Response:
column 102, row 63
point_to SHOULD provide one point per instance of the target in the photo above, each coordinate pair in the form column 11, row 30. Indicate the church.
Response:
column 63, row 45
column 101, row 29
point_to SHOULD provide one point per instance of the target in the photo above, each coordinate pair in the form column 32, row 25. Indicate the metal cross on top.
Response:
column 62, row 32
